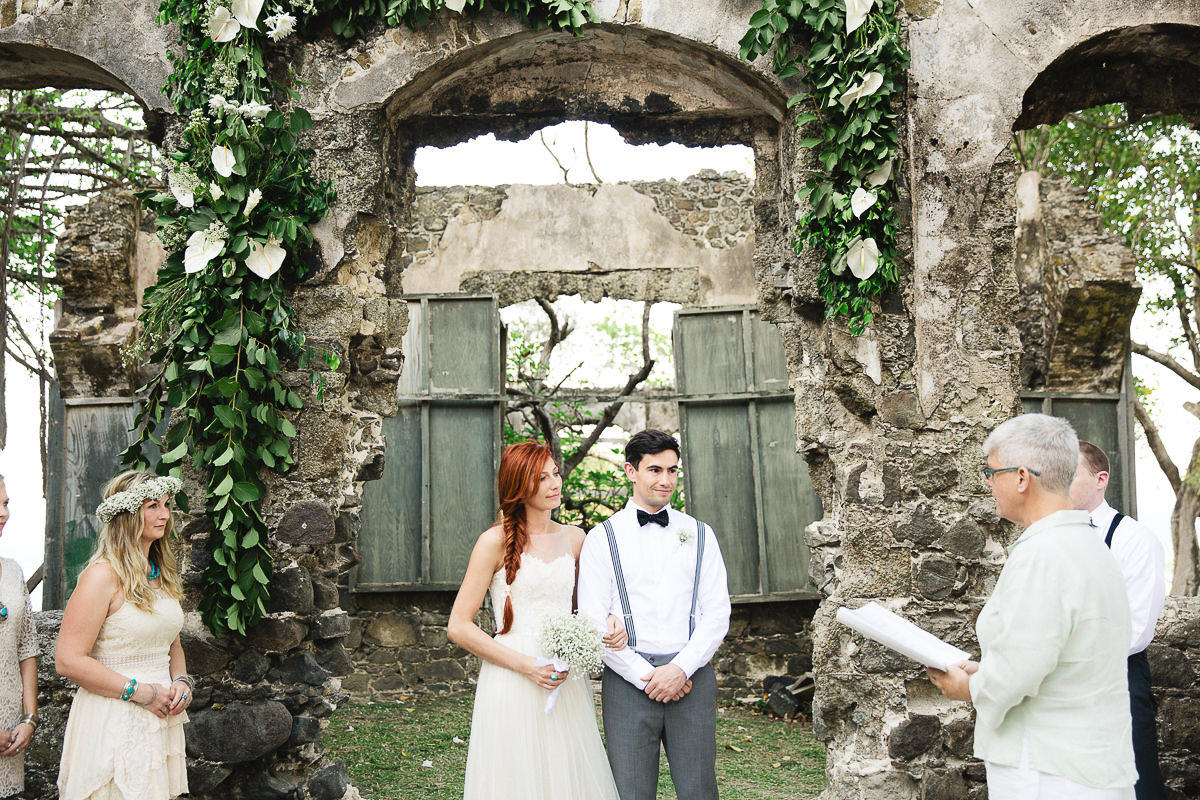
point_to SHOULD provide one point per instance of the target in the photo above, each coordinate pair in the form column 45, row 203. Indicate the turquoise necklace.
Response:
column 154, row 573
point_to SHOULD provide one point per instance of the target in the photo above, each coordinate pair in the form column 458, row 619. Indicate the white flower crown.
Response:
column 130, row 501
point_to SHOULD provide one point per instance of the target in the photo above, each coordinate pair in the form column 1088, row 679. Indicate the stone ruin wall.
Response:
column 688, row 241
column 890, row 422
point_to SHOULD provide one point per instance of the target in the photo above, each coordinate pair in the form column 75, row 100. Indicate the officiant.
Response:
column 1049, row 690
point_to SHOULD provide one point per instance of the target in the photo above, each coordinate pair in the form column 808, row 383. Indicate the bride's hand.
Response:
column 546, row 677
column 617, row 637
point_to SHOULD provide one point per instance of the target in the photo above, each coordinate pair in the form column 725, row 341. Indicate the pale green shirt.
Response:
column 1054, row 637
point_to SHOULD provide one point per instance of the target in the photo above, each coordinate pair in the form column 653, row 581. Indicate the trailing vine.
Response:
column 242, row 199
column 852, row 62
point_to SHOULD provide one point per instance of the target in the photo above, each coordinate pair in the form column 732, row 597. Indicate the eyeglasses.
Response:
column 988, row 472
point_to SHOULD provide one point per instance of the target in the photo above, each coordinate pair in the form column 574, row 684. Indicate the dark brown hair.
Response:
column 1093, row 457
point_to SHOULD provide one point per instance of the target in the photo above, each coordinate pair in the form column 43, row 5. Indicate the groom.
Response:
column 661, row 571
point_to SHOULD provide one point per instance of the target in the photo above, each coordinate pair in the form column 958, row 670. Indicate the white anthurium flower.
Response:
column 252, row 201
column 882, row 175
column 246, row 12
column 280, row 25
column 223, row 161
column 181, row 190
column 216, row 191
column 222, row 27
column 863, row 258
column 856, row 14
column 861, row 200
column 201, row 249
column 456, row 5
column 870, row 84
column 265, row 260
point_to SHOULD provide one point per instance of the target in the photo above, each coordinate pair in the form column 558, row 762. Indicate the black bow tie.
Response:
column 644, row 518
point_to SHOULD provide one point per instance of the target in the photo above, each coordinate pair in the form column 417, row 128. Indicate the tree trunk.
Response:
column 1185, row 579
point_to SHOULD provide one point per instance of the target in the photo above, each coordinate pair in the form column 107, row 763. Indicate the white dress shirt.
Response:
column 1140, row 557
column 659, row 565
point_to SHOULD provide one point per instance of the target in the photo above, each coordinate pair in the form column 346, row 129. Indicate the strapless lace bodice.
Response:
column 541, row 589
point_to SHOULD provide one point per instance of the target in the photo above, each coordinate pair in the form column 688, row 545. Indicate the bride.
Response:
column 528, row 562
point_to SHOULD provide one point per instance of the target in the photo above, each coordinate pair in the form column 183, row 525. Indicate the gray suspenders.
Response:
column 626, row 612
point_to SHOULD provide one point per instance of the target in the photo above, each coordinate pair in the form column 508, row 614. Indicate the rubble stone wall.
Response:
column 589, row 236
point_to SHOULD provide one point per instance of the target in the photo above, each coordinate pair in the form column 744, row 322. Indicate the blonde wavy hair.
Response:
column 120, row 547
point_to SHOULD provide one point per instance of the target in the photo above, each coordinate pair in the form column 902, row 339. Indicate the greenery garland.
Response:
column 243, row 198
column 241, row 204
column 850, row 55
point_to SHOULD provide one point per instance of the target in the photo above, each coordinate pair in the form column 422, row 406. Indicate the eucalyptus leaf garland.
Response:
column 851, row 59
column 241, row 203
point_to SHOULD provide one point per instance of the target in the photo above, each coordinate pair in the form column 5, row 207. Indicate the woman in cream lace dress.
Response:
column 18, row 669
column 120, row 643
column 527, row 562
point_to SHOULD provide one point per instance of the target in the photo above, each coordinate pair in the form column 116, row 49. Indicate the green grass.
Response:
column 384, row 744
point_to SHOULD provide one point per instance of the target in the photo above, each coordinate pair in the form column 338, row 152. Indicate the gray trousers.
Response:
column 635, row 725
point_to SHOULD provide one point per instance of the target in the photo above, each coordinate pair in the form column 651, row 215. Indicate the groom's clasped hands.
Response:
column 667, row 683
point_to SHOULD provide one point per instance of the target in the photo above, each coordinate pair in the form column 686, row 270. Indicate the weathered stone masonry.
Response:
column 890, row 422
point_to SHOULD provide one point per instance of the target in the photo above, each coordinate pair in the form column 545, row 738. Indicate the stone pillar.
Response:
column 891, row 423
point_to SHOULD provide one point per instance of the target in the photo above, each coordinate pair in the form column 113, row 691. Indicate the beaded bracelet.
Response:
column 130, row 688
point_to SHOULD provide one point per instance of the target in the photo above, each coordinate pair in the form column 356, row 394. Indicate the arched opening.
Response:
column 651, row 88
column 1107, row 210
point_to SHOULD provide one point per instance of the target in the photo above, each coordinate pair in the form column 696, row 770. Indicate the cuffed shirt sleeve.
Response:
column 597, row 596
column 712, row 610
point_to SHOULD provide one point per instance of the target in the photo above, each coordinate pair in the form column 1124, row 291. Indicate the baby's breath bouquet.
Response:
column 572, row 641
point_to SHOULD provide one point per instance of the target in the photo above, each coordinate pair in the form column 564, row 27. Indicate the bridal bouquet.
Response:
column 572, row 641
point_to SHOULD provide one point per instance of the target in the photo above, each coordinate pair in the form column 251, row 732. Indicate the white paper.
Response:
column 893, row 631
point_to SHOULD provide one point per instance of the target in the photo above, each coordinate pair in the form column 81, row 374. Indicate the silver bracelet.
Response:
column 191, row 683
column 153, row 696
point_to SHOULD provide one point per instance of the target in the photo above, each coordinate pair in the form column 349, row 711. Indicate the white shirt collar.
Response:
column 1102, row 516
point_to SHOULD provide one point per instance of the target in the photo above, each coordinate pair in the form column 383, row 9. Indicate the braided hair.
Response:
column 520, row 469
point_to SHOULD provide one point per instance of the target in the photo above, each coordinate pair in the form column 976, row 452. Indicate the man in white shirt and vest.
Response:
column 1140, row 557
column 661, row 571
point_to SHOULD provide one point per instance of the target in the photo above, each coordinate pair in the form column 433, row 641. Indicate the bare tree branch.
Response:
column 1156, row 444
column 1166, row 361
column 587, row 152
column 545, row 144
column 612, row 409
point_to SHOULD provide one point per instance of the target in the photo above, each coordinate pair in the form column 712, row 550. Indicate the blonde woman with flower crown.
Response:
column 120, row 642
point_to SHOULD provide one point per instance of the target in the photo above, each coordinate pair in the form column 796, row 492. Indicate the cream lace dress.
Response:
column 18, row 641
column 517, row 751
column 117, row 750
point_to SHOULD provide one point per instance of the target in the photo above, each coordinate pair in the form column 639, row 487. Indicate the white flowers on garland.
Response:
column 130, row 501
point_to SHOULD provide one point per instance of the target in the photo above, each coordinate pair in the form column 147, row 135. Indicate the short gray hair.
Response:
column 1039, row 442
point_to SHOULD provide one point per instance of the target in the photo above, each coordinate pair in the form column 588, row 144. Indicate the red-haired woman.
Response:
column 527, row 561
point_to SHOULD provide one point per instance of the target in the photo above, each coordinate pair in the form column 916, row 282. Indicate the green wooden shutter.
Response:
column 1104, row 420
column 85, row 437
column 742, row 474
column 438, row 490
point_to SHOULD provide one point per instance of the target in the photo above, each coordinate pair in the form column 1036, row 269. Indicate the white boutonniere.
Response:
column 685, row 536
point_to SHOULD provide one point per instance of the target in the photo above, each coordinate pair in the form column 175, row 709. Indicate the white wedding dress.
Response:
column 517, row 751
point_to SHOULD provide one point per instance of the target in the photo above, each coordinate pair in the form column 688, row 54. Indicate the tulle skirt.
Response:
column 117, row 750
column 518, row 751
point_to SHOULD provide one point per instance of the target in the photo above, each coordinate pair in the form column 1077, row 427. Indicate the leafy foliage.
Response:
column 1143, row 176
column 241, row 187
column 854, row 135
column 352, row 18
